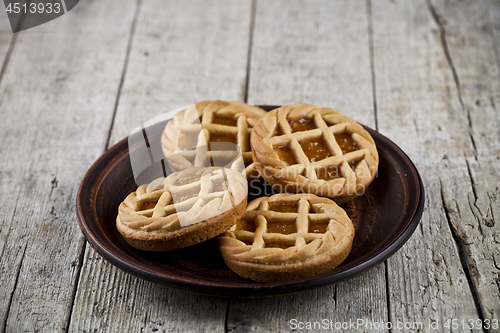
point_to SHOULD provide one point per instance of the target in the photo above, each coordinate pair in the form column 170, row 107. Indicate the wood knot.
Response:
column 489, row 223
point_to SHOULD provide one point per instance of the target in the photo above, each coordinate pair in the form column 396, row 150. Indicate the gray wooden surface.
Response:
column 426, row 74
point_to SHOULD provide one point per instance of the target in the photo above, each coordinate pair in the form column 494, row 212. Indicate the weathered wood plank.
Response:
column 419, row 108
column 6, row 36
column 315, row 52
column 471, row 31
column 199, row 52
column 57, row 100
column 182, row 52
column 109, row 300
column 7, row 203
column 318, row 310
column 493, row 8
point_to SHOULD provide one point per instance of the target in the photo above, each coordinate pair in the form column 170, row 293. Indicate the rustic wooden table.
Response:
column 426, row 74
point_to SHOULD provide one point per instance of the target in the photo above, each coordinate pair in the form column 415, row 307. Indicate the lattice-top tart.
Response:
column 306, row 148
column 183, row 209
column 286, row 237
column 209, row 133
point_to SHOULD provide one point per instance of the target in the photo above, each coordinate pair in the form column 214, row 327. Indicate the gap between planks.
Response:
column 250, row 46
column 463, row 261
column 14, row 289
column 7, row 57
column 124, row 72
column 458, row 241
column 444, row 44
column 106, row 147
column 374, row 96
column 245, row 99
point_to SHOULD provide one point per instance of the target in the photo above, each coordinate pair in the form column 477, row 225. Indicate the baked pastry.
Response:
column 211, row 133
column 286, row 237
column 183, row 209
column 306, row 148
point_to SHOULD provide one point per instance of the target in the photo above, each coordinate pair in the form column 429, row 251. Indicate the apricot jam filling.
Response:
column 148, row 205
column 329, row 173
column 353, row 164
column 317, row 228
column 224, row 121
column 334, row 171
column 285, row 154
column 315, row 149
column 246, row 226
column 281, row 227
column 278, row 131
column 283, row 207
column 301, row 124
column 346, row 143
column 222, row 138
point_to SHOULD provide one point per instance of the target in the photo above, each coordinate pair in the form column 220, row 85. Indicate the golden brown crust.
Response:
column 184, row 237
column 321, row 240
column 278, row 273
column 183, row 209
column 356, row 169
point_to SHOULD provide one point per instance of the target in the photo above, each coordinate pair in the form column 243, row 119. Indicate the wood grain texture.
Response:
column 109, row 300
column 57, row 99
column 326, row 307
column 472, row 40
column 314, row 52
column 436, row 75
column 6, row 37
column 422, row 113
column 7, row 41
column 199, row 52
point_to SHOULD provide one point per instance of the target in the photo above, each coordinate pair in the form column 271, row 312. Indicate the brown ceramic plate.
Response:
column 384, row 218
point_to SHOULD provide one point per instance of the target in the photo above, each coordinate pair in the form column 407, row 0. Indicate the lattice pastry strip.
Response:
column 211, row 133
column 182, row 209
column 304, row 148
column 287, row 236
